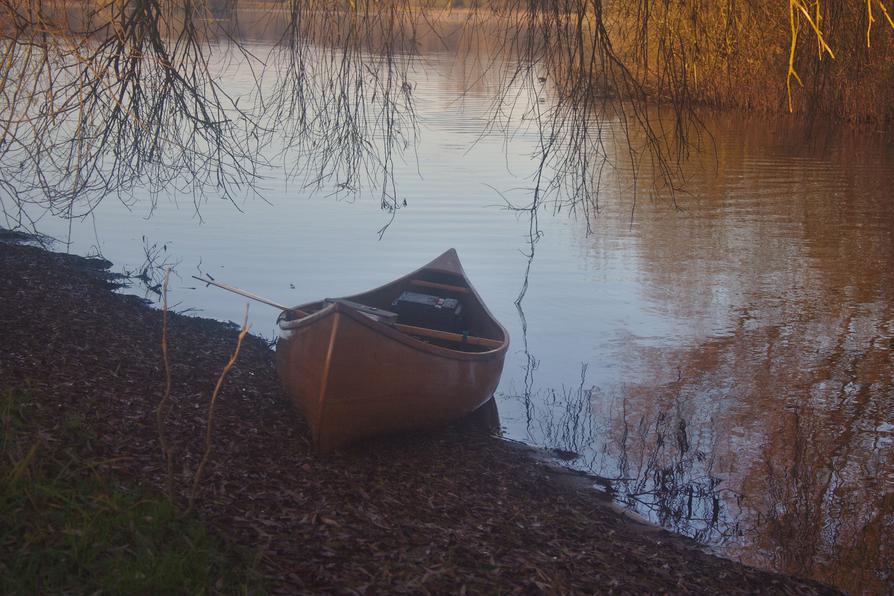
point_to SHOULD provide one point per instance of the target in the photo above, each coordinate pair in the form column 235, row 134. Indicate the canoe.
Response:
column 356, row 368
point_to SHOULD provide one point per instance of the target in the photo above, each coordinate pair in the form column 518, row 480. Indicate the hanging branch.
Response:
column 797, row 9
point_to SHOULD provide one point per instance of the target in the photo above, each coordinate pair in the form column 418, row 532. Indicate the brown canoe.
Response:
column 355, row 374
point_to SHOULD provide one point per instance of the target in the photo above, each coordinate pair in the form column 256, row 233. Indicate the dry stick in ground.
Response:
column 197, row 478
column 161, row 413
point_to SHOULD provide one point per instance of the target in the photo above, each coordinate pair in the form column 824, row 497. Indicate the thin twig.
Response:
column 197, row 477
column 161, row 412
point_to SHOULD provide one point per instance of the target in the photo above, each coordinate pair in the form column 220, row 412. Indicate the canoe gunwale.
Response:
column 336, row 308
column 448, row 262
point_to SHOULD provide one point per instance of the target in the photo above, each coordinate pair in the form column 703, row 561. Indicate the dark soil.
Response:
column 448, row 511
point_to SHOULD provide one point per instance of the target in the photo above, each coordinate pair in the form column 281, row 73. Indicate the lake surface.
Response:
column 726, row 365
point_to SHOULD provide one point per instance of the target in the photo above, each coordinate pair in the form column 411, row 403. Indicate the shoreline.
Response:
column 431, row 511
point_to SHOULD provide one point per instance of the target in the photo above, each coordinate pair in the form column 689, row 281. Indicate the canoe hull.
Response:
column 356, row 375
column 353, row 378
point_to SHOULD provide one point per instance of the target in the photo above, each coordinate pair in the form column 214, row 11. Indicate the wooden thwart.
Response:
column 448, row 336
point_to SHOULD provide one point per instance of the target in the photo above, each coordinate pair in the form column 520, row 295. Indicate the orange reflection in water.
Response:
column 767, row 427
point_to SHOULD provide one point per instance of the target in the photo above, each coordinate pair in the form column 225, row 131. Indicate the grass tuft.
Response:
column 66, row 527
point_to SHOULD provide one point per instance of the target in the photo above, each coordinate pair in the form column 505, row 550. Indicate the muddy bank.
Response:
column 432, row 512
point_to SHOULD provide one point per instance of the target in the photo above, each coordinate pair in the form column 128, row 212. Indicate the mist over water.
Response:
column 726, row 365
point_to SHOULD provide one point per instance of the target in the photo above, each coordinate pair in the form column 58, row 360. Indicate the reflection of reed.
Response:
column 789, row 371
column 827, row 471
column 802, row 438
column 530, row 366
column 663, row 476
column 572, row 431
column 647, row 463
column 648, row 460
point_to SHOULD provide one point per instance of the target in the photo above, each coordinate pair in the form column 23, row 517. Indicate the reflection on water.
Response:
column 743, row 451
column 760, row 419
column 726, row 368
column 645, row 459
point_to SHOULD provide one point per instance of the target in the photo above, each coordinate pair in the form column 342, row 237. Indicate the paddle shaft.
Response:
column 242, row 292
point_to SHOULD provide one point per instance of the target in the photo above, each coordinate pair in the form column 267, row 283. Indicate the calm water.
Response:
column 727, row 366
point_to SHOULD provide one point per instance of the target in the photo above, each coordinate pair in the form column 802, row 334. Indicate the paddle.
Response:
column 242, row 292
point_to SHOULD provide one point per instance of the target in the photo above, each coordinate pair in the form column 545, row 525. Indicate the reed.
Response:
column 764, row 55
column 164, row 405
column 206, row 454
column 163, row 409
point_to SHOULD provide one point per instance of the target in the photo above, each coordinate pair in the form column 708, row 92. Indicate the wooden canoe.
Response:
column 354, row 376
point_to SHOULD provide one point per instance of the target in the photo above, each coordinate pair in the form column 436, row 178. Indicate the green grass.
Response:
column 65, row 526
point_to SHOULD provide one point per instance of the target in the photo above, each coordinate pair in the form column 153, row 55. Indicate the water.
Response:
column 727, row 364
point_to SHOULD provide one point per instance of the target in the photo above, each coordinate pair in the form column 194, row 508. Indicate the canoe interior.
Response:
column 477, row 320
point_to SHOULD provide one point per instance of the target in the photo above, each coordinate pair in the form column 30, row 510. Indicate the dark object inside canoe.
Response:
column 427, row 310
